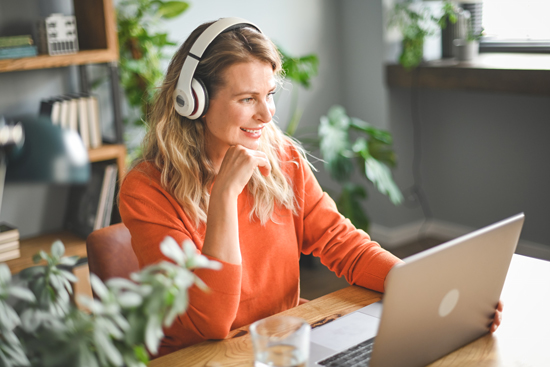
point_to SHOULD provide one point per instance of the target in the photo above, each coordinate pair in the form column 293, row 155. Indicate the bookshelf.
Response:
column 98, row 44
column 97, row 40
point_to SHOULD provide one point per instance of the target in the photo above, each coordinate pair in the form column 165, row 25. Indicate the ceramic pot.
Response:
column 466, row 50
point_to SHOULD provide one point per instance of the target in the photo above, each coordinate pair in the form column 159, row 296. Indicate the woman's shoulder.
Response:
column 141, row 173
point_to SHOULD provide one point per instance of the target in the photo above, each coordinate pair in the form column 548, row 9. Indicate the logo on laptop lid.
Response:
column 448, row 303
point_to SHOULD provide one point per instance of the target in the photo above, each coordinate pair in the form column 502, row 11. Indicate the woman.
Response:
column 241, row 190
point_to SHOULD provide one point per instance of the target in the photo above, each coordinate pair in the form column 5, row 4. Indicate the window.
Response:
column 516, row 26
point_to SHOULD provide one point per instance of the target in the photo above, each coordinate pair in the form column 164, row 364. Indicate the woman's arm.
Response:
column 222, row 232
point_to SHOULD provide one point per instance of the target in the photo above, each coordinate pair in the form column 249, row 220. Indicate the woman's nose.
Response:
column 265, row 111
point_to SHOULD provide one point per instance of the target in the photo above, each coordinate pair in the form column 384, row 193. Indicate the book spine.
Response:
column 14, row 41
column 15, row 52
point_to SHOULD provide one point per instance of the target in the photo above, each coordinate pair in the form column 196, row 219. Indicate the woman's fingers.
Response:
column 238, row 166
column 497, row 319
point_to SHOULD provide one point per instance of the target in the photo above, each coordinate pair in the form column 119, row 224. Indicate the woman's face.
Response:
column 240, row 109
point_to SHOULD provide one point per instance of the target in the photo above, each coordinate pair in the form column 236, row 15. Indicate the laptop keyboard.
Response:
column 356, row 356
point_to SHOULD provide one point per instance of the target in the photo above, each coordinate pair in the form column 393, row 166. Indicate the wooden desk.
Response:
column 523, row 339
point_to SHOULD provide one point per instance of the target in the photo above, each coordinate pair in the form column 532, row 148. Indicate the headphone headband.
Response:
column 187, row 100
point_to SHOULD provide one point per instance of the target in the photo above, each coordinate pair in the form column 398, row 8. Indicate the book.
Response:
column 73, row 113
column 99, row 219
column 83, row 124
column 10, row 255
column 110, row 202
column 14, row 41
column 64, row 112
column 8, row 246
column 93, row 120
column 17, row 52
column 56, row 111
column 87, row 203
column 8, row 233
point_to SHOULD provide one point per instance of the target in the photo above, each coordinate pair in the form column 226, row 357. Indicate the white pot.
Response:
column 466, row 50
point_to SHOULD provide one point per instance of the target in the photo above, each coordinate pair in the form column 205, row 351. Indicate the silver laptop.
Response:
column 438, row 301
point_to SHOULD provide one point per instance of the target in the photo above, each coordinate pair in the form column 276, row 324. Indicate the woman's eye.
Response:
column 270, row 95
column 247, row 100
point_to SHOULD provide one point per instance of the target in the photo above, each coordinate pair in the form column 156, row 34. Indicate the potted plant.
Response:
column 143, row 46
column 40, row 324
column 416, row 21
column 371, row 152
column 467, row 48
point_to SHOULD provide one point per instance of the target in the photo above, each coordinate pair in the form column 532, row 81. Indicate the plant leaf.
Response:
column 172, row 9
column 379, row 174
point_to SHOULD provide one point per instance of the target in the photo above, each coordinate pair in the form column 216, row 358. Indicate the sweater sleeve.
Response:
column 151, row 214
column 345, row 250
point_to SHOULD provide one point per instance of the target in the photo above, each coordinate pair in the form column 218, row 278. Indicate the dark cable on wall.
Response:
column 416, row 191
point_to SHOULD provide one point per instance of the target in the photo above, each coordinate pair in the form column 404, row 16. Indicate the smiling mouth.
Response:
column 255, row 132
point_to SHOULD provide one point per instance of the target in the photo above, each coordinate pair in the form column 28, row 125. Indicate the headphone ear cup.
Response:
column 200, row 96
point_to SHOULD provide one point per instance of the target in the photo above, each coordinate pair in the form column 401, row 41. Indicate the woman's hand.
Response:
column 497, row 320
column 222, row 232
column 238, row 166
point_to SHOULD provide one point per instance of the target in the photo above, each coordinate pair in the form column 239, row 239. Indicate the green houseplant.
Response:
column 371, row 152
column 40, row 324
column 416, row 21
column 143, row 47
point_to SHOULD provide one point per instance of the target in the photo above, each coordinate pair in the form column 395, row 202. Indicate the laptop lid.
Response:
column 444, row 297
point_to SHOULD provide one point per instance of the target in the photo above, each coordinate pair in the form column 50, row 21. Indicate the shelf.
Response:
column 110, row 152
column 74, row 246
column 490, row 72
column 97, row 38
column 46, row 61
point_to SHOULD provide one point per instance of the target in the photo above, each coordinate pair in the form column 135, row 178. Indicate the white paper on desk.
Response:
column 346, row 331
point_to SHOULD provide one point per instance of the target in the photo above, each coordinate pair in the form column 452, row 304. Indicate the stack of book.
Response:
column 14, row 47
column 79, row 112
column 9, row 242
column 90, row 206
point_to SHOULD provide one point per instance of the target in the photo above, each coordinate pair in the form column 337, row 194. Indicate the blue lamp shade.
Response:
column 48, row 154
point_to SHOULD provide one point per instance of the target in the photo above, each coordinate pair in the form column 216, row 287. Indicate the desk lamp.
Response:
column 34, row 150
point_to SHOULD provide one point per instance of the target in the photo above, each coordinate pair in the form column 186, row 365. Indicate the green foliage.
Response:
column 299, row 70
column 45, row 328
column 372, row 153
column 416, row 21
column 142, row 47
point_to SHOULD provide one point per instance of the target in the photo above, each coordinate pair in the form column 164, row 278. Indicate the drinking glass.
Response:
column 280, row 341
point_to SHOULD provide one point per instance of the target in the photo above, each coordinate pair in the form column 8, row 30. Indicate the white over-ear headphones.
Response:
column 191, row 96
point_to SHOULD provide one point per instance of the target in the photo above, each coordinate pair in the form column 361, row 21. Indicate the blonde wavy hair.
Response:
column 176, row 145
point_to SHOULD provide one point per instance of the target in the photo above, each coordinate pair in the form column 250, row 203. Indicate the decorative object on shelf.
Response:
column 45, row 328
column 56, row 35
column 416, row 21
column 372, row 152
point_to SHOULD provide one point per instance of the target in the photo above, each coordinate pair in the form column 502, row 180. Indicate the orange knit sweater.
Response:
column 267, row 282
